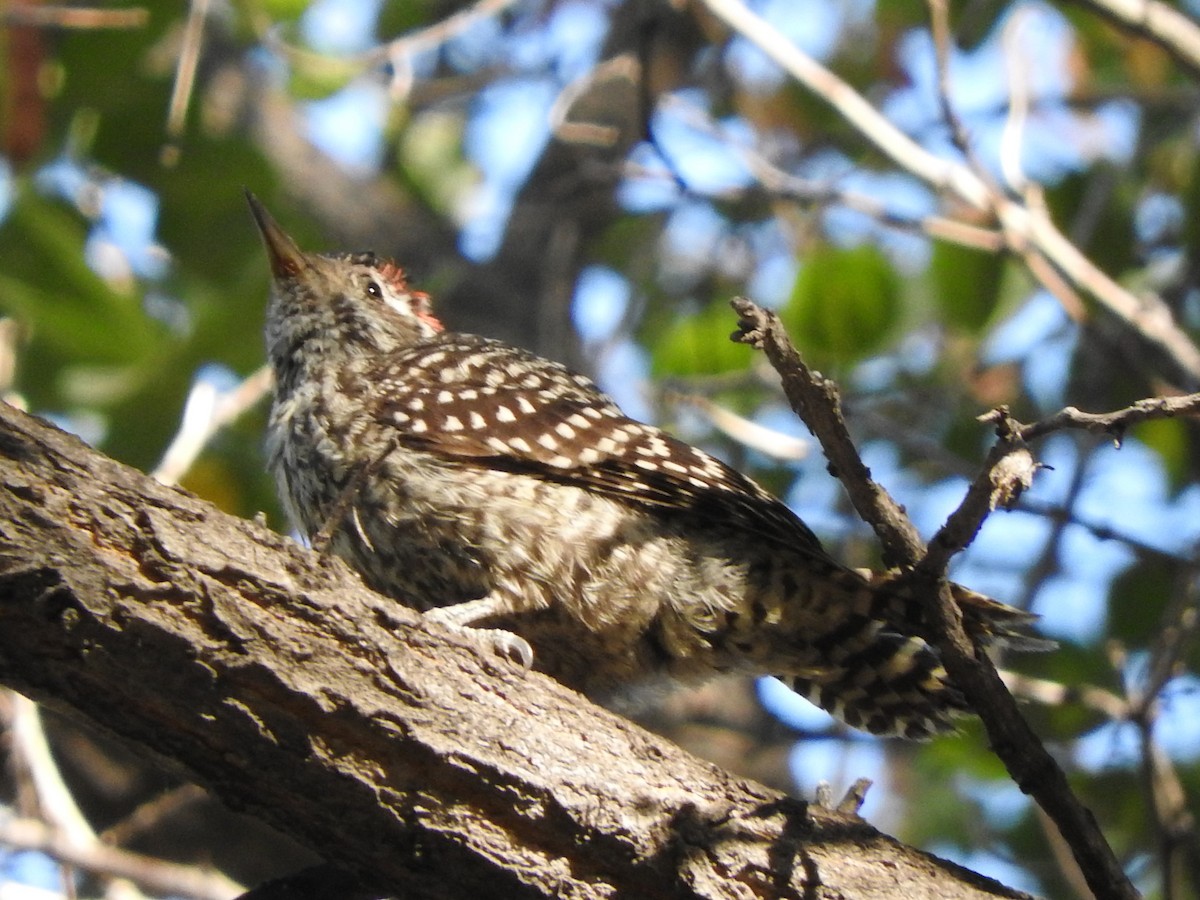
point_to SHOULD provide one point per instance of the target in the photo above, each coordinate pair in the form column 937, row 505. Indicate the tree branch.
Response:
column 1174, row 31
column 815, row 400
column 330, row 712
column 1009, row 465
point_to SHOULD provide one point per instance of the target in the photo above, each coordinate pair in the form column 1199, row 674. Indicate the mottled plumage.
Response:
column 500, row 490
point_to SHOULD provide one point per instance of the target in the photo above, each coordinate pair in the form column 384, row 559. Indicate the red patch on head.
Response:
column 422, row 306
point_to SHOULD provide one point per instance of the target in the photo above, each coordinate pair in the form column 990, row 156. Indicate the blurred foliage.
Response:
column 921, row 334
column 844, row 302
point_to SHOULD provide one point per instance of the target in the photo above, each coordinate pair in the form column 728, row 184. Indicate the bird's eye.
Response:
column 373, row 290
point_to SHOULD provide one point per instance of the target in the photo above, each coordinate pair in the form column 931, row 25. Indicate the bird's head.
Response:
column 328, row 307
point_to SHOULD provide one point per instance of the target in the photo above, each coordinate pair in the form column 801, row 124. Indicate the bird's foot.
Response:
column 459, row 618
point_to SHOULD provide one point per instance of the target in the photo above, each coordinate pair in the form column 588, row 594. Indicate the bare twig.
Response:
column 815, row 400
column 205, row 413
column 438, row 33
column 1009, row 467
column 185, row 79
column 1172, row 818
column 1043, row 270
column 157, row 875
column 55, row 802
column 398, row 52
column 1006, row 474
column 787, row 186
column 750, row 434
column 1054, row 693
column 1181, row 622
column 1016, row 69
column 74, row 17
column 64, row 821
column 783, row 184
column 939, row 27
column 1068, row 867
column 1115, row 423
column 151, row 814
column 942, row 174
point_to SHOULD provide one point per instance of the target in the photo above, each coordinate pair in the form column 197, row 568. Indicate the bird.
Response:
column 507, row 497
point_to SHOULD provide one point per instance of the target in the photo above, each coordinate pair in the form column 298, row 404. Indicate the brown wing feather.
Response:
column 486, row 403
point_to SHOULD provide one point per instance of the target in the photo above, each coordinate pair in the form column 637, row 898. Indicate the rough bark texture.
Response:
column 298, row 695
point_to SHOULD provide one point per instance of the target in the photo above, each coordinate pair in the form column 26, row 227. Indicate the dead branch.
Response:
column 1008, row 466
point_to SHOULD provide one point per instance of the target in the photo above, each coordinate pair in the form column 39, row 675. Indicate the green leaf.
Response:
column 966, row 284
column 46, row 283
column 844, row 302
column 317, row 77
column 699, row 345
column 1138, row 601
column 284, row 10
column 1170, row 439
column 430, row 155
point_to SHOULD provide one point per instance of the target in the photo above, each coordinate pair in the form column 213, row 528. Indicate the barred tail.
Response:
column 879, row 672
column 993, row 623
column 988, row 621
column 893, row 686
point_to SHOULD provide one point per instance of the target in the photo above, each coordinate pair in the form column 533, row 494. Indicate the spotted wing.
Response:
column 490, row 404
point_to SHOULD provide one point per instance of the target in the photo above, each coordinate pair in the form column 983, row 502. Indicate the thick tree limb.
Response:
column 296, row 694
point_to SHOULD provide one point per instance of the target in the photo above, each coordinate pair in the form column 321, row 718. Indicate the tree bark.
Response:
column 295, row 694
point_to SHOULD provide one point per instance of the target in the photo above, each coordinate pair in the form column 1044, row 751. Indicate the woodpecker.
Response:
column 504, row 495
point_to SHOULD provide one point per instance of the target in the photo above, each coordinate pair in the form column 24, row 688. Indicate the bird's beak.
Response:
column 286, row 258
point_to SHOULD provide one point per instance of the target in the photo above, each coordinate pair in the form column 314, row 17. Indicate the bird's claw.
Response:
column 502, row 643
column 511, row 646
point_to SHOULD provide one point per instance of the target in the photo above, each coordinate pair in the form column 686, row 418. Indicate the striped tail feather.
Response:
column 881, row 673
column 893, row 686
